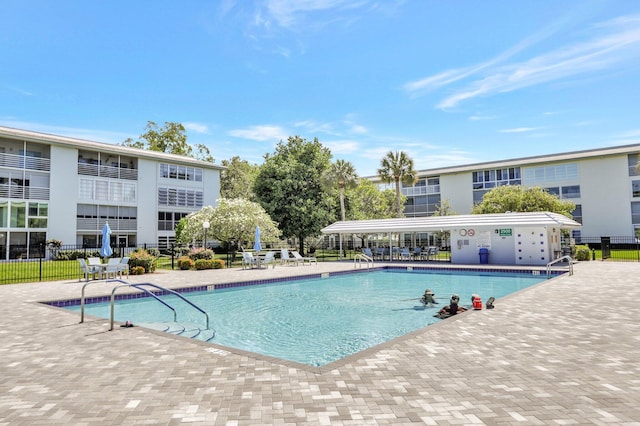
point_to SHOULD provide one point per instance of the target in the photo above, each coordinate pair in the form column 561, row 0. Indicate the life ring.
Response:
column 463, row 232
column 471, row 232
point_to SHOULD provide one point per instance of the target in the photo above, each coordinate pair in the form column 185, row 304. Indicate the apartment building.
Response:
column 55, row 187
column 603, row 183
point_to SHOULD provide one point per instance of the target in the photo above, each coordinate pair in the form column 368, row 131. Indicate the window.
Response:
column 174, row 171
column 488, row 179
column 179, row 197
column 18, row 215
column 550, row 173
column 577, row 213
column 635, row 188
column 632, row 161
column 635, row 212
column 572, row 191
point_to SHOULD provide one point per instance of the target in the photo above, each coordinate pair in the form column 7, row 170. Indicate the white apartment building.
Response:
column 603, row 183
column 55, row 187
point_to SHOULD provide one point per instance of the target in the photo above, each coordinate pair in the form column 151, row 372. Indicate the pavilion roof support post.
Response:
column 390, row 247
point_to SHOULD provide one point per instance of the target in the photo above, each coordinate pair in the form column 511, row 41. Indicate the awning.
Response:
column 444, row 223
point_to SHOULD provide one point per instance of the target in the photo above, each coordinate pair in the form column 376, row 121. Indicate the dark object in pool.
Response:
column 127, row 324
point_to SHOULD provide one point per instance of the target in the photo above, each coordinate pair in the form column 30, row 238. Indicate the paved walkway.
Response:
column 563, row 352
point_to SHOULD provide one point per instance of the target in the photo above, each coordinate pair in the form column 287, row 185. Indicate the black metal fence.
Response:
column 60, row 263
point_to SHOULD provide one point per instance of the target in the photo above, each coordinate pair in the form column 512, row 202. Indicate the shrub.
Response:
column 185, row 263
column 141, row 257
column 201, row 253
column 218, row 264
column 181, row 251
column 203, row 264
column 76, row 254
column 583, row 253
column 153, row 252
column 137, row 270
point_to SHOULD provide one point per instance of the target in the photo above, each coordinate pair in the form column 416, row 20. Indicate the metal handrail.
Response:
column 358, row 258
column 140, row 287
column 567, row 258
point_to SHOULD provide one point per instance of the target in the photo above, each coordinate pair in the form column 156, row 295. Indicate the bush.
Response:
column 583, row 252
column 203, row 264
column 141, row 257
column 185, row 263
column 137, row 270
column 76, row 254
column 181, row 251
column 218, row 264
column 153, row 252
column 201, row 253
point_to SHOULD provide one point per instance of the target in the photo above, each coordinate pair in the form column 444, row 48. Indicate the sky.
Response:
column 449, row 82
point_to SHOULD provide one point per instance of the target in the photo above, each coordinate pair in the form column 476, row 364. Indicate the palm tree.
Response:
column 397, row 167
column 343, row 175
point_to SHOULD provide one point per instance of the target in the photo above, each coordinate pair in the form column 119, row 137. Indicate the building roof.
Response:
column 530, row 161
column 439, row 223
column 30, row 136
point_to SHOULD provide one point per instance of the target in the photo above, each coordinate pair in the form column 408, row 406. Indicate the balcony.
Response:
column 95, row 224
column 24, row 192
column 88, row 169
column 25, row 162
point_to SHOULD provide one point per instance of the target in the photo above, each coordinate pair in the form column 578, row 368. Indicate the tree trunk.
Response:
column 398, row 198
column 301, row 247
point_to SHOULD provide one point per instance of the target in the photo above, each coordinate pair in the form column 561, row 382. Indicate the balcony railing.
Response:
column 95, row 224
column 107, row 171
column 421, row 190
column 25, row 162
column 24, row 192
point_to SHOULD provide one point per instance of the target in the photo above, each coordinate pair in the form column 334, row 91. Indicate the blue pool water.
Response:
column 318, row 321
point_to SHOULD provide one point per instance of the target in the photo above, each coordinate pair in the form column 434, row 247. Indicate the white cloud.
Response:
column 603, row 52
column 342, row 146
column 518, row 130
column 196, row 127
column 480, row 117
column 260, row 133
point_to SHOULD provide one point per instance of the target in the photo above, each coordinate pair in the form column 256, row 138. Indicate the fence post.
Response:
column 41, row 256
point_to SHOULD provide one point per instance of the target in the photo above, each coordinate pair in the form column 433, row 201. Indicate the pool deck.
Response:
column 566, row 351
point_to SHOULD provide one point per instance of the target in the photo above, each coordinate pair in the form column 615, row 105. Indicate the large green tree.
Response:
column 237, row 180
column 289, row 188
column 367, row 201
column 517, row 198
column 230, row 221
column 341, row 175
column 172, row 139
column 397, row 167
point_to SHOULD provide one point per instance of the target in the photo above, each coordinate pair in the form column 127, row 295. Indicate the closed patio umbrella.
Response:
column 105, row 249
column 256, row 245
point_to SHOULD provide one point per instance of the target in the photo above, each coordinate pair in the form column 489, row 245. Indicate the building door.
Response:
column 531, row 246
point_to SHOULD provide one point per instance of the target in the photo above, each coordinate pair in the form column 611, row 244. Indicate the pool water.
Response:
column 318, row 321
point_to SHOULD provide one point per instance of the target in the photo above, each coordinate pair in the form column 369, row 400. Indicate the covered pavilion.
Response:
column 532, row 238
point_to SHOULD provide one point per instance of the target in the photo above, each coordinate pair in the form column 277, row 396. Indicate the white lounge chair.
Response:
column 285, row 258
column 87, row 270
column 123, row 266
column 248, row 261
column 269, row 258
column 303, row 259
column 112, row 268
column 405, row 254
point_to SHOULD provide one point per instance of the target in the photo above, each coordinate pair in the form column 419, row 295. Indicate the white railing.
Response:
column 107, row 171
column 561, row 259
column 95, row 224
column 24, row 192
column 361, row 257
column 25, row 162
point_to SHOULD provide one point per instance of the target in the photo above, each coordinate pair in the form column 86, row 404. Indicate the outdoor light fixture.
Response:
column 206, row 226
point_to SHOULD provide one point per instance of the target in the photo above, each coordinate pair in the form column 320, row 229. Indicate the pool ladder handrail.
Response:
column 140, row 287
column 560, row 259
column 358, row 258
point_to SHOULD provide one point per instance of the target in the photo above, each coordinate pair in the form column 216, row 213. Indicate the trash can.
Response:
column 484, row 256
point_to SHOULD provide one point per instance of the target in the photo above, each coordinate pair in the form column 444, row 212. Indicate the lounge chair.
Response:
column 269, row 258
column 123, row 266
column 367, row 252
column 285, row 258
column 112, row 268
column 405, row 254
column 87, row 270
column 248, row 261
column 303, row 259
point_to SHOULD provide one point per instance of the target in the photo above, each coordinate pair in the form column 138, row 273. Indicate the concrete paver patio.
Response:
column 566, row 351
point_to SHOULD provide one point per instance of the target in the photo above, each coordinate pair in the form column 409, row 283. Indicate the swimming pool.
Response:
column 320, row 320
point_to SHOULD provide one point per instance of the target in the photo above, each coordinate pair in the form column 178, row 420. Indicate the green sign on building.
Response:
column 506, row 232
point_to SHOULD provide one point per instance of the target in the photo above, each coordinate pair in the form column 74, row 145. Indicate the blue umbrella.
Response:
column 256, row 245
column 105, row 250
